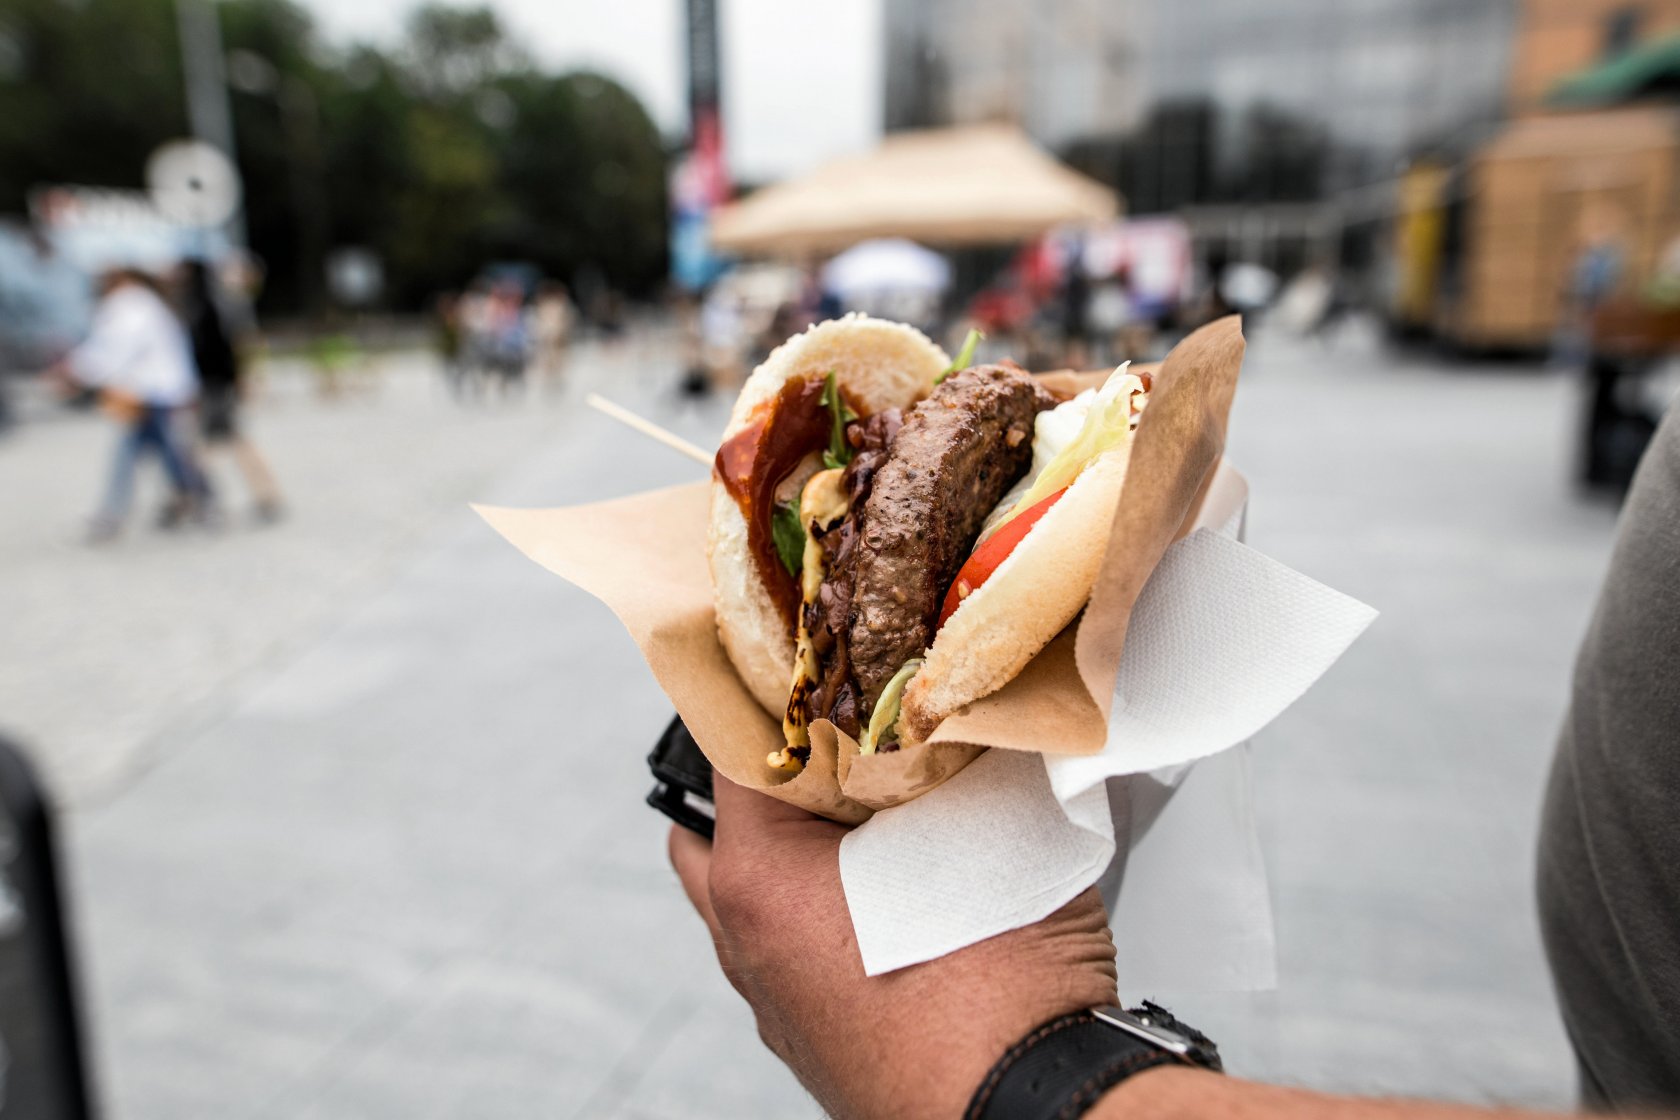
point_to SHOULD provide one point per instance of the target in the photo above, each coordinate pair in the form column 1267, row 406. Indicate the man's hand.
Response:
column 913, row 1043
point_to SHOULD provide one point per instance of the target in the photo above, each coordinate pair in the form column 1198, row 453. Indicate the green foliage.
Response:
column 446, row 152
column 458, row 50
column 81, row 100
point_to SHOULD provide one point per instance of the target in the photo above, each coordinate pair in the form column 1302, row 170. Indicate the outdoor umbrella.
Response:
column 889, row 264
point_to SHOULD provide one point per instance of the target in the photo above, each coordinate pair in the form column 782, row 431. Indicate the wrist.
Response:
column 1065, row 1066
column 948, row 1027
column 935, row 1071
column 1158, row 1094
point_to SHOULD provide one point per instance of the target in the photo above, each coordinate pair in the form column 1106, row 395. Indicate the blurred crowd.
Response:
column 505, row 329
column 1074, row 298
column 165, row 358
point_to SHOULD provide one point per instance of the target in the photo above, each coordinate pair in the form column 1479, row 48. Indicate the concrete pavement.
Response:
column 354, row 802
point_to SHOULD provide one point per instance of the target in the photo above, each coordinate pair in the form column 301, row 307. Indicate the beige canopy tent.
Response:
column 986, row 184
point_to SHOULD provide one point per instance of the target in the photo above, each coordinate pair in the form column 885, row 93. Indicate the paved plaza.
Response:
column 353, row 801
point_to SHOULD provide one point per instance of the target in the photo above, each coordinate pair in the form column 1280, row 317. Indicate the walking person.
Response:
column 551, row 331
column 449, row 336
column 507, row 336
column 138, row 359
column 220, row 367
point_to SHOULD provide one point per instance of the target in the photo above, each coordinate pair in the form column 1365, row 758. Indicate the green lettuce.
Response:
column 1108, row 424
column 964, row 358
column 788, row 535
column 839, row 452
column 884, row 719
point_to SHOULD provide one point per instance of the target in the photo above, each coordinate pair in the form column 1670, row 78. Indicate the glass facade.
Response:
column 1187, row 101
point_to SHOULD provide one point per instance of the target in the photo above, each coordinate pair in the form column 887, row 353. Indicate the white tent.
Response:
column 986, row 184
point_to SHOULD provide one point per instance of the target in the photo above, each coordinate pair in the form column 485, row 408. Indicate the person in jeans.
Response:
column 137, row 357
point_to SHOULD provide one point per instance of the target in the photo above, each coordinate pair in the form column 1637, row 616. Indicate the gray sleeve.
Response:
column 1609, row 860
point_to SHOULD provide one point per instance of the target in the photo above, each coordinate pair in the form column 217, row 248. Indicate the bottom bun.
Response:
column 1040, row 588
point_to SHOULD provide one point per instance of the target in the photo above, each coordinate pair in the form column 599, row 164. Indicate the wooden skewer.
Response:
column 649, row 428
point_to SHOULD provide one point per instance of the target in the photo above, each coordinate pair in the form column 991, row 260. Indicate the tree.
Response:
column 450, row 151
column 458, row 50
column 586, row 172
column 91, row 89
column 277, row 90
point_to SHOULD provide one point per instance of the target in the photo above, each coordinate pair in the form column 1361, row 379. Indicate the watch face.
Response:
column 1157, row 1026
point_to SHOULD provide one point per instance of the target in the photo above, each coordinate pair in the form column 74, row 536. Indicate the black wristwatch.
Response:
column 1059, row 1070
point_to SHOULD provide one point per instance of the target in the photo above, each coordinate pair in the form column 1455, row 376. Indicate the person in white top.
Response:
column 551, row 329
column 137, row 356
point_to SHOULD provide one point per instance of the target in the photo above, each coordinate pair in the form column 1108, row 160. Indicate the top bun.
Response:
column 879, row 365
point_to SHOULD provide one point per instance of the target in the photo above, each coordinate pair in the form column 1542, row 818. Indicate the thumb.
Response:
column 691, row 857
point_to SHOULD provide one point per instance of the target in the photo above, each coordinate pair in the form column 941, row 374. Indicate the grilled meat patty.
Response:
column 919, row 500
column 826, row 619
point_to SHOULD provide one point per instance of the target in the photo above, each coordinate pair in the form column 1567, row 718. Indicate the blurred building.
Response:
column 1062, row 69
column 1191, row 102
column 1560, row 37
column 1490, row 233
column 1447, row 155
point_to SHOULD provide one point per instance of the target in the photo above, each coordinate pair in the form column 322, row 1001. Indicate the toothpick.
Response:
column 649, row 428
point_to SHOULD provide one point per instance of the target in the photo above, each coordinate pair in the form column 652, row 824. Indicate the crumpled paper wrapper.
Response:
column 1222, row 640
column 659, row 586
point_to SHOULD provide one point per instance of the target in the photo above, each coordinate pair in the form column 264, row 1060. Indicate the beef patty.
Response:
column 835, row 695
column 917, row 508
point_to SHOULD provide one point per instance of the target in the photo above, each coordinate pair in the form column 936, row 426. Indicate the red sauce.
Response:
column 751, row 464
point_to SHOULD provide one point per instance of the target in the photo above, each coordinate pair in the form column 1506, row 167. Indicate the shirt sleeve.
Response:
column 111, row 347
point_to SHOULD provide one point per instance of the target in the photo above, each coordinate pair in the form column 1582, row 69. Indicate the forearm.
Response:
column 1185, row 1094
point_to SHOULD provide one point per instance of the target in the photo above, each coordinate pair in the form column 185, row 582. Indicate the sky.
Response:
column 802, row 78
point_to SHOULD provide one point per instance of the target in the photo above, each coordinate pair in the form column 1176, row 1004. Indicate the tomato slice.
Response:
column 994, row 551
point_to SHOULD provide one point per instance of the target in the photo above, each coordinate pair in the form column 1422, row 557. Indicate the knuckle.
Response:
column 737, row 895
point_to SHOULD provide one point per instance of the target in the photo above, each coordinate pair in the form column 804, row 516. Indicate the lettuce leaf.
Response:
column 839, row 452
column 788, row 535
column 1107, row 425
column 884, row 719
column 964, row 358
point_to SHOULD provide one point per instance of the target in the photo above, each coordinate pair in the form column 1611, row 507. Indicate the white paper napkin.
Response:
column 1221, row 641
column 1187, row 893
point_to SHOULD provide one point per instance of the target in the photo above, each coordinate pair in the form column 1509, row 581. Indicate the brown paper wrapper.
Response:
column 659, row 586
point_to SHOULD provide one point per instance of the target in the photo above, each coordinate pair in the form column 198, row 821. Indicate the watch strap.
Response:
column 1062, row 1068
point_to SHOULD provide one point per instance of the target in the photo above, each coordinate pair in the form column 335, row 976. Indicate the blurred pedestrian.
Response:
column 448, row 335
column 551, row 331
column 723, row 335
column 1594, row 277
column 610, row 318
column 1076, row 299
column 1208, row 302
column 1617, row 427
column 216, row 340
column 472, row 322
column 138, row 358
column 507, row 337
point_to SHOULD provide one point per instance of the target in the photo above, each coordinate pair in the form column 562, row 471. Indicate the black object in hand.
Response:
column 682, row 780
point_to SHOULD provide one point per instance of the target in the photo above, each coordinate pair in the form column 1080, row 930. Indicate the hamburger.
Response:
column 895, row 534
